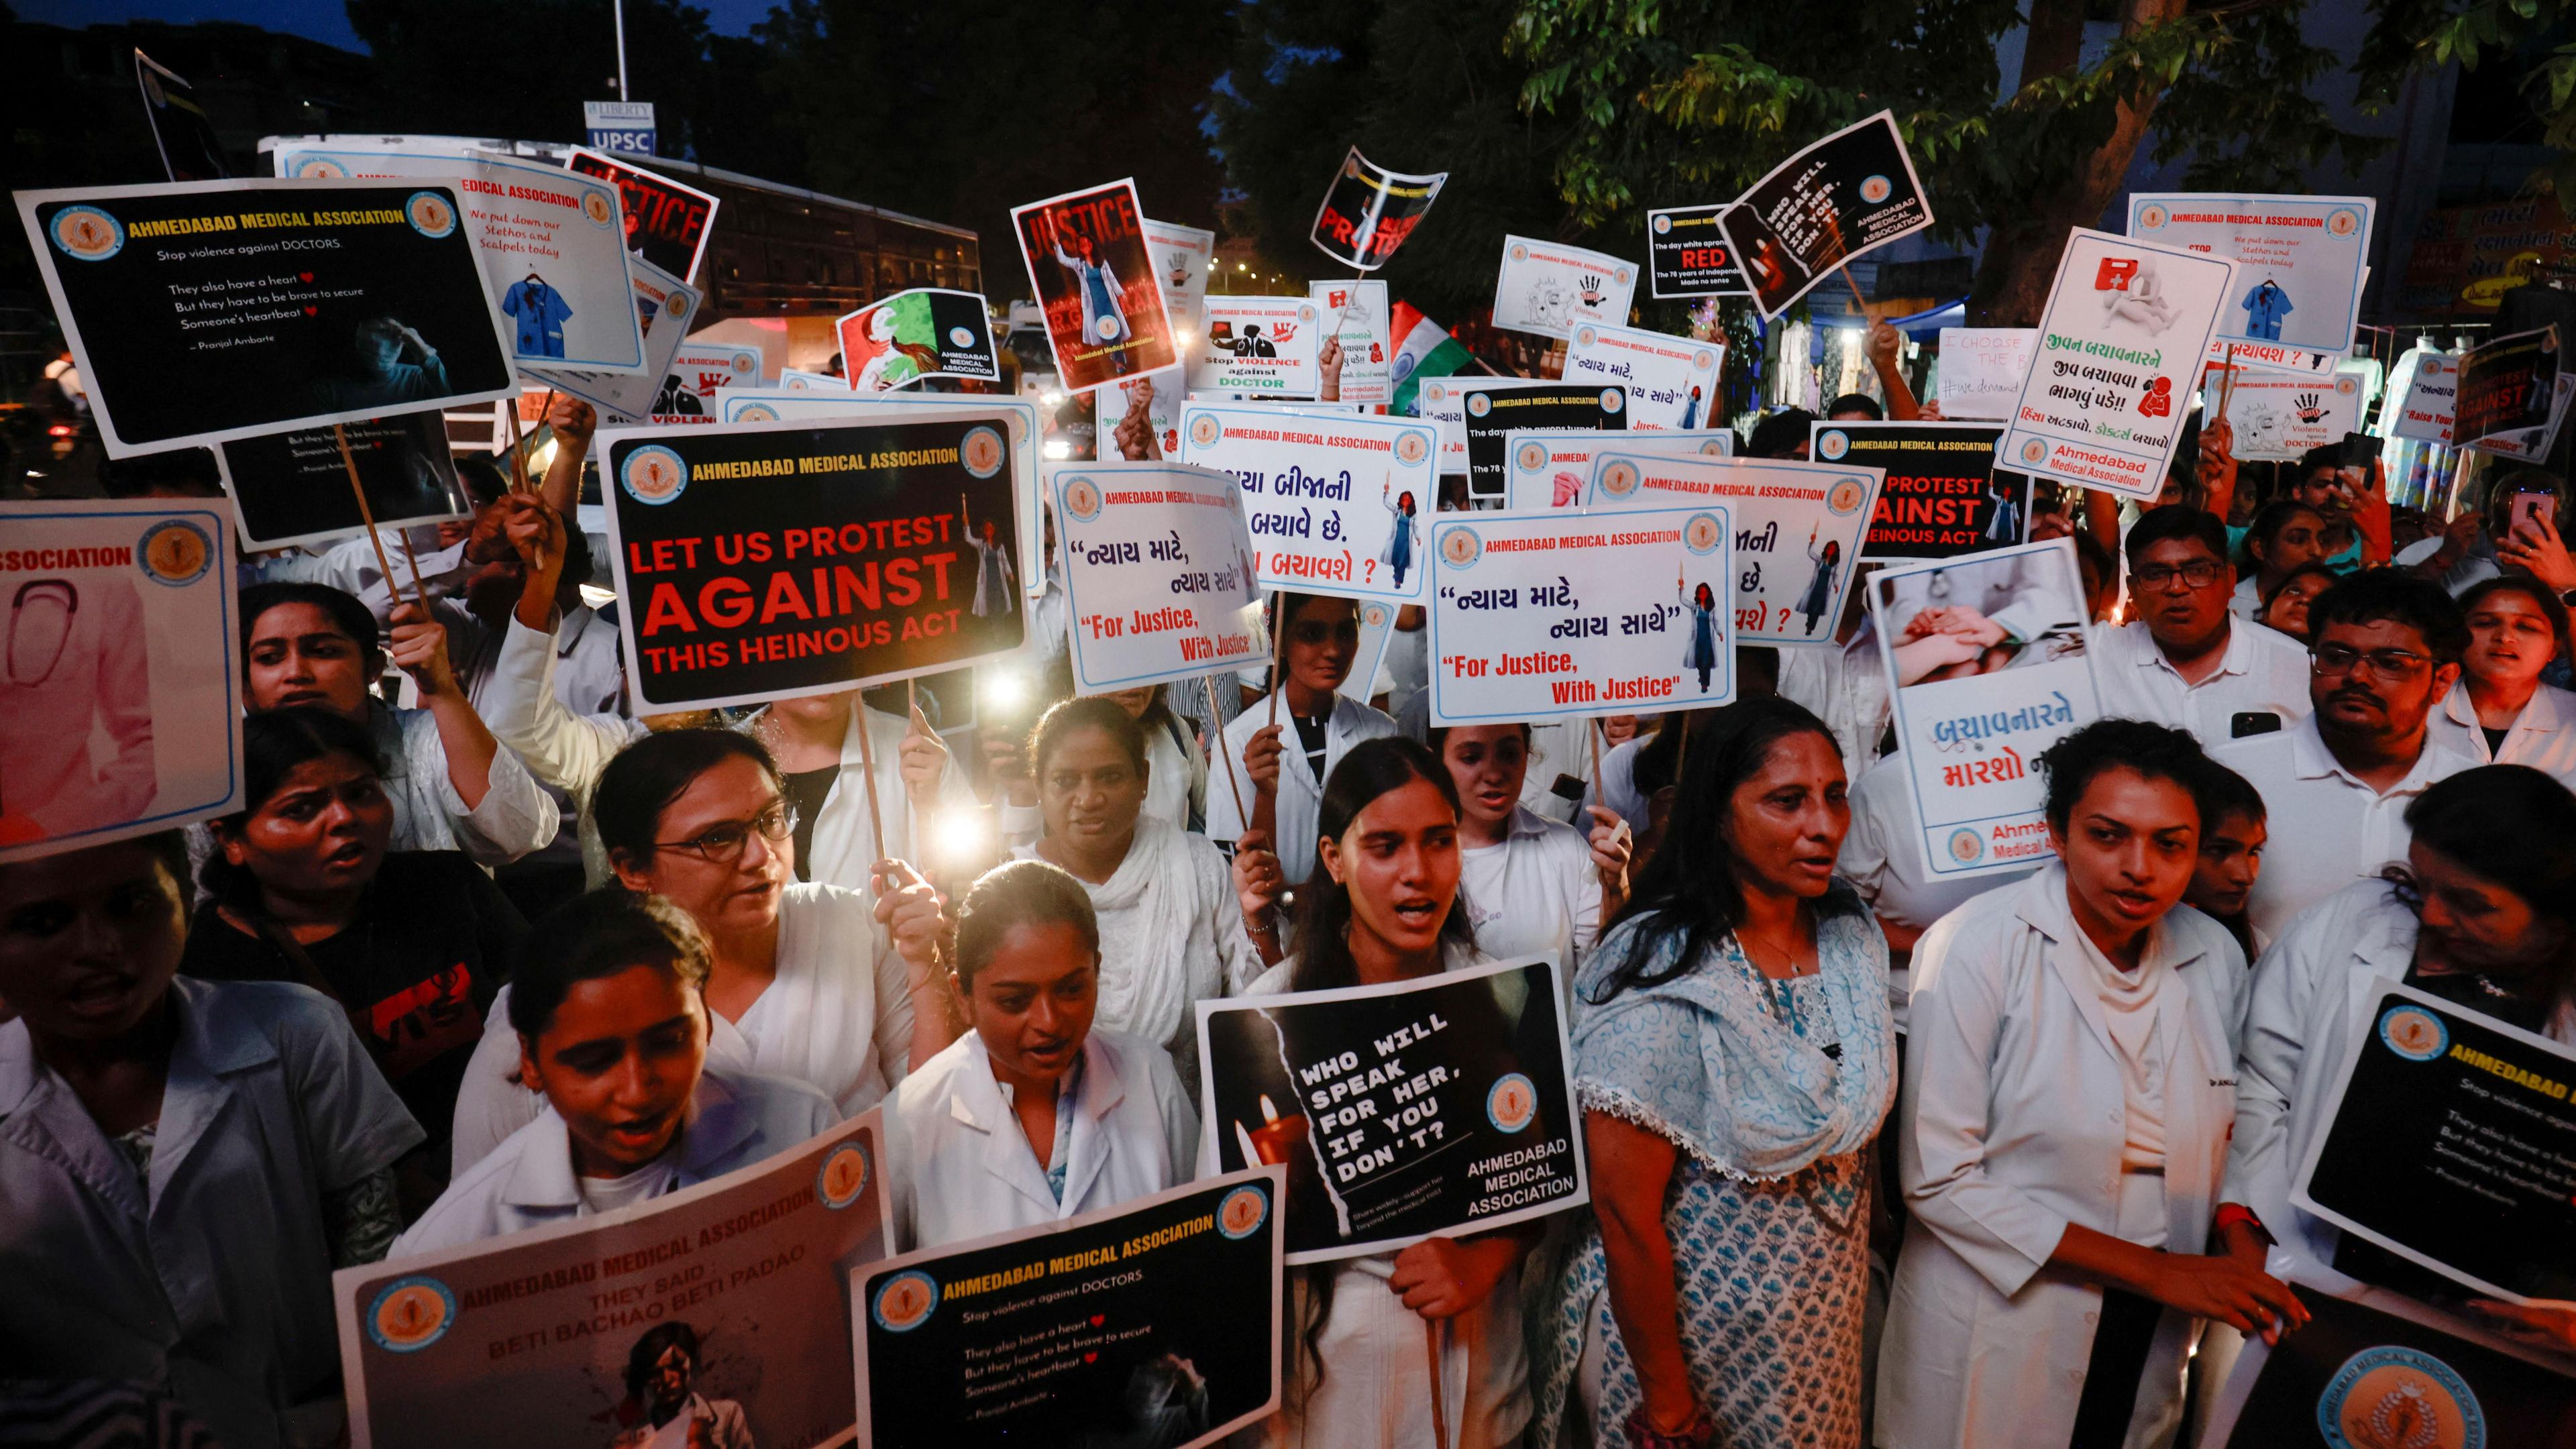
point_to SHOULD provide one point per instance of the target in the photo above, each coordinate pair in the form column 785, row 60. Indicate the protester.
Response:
column 2285, row 608
column 2060, row 1153
column 413, row 945
column 2499, row 713
column 2185, row 660
column 1177, row 791
column 452, row 785
column 1383, row 910
column 2353, row 501
column 2480, row 543
column 1168, row 915
column 2283, row 538
column 200, row 1264
column 1531, row 886
column 1319, row 638
column 1784, row 434
column 2233, row 832
column 1882, row 860
column 2386, row 649
column 1733, row 1055
column 1037, row 1113
column 608, row 1006
column 810, row 982
column 2481, row 914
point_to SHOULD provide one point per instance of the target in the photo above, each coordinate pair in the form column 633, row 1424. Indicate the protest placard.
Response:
column 2300, row 261
column 293, row 488
column 1315, row 526
column 1257, row 346
column 1152, row 1325
column 1671, row 381
column 1554, row 614
column 665, row 306
column 1095, row 282
column 2532, row 445
column 564, row 1334
column 667, row 221
column 1941, row 495
column 119, row 707
column 1986, row 661
column 2276, row 416
column 1550, row 289
column 552, row 243
column 1847, row 194
column 206, row 310
column 1780, row 509
column 1982, row 370
column 2373, row 1370
column 2506, row 387
column 1153, row 436
column 1157, row 573
column 1687, row 256
column 688, row 391
column 1368, row 211
column 922, row 332
column 771, row 405
column 181, row 130
column 1441, row 1105
column 1439, row 402
column 1548, row 469
column 2120, row 340
column 1181, row 256
column 2427, row 402
column 1355, row 314
column 762, row 561
column 1491, row 407
column 797, row 379
column 2446, row 1145
column 1377, row 630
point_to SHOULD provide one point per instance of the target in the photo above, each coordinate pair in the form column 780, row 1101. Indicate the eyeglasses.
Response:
column 723, row 844
column 2199, row 575
column 2338, row 659
column 1312, row 632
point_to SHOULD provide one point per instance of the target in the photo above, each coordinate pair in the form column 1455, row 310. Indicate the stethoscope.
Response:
column 41, row 589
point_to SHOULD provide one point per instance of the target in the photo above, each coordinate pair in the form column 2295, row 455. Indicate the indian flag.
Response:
column 1422, row 349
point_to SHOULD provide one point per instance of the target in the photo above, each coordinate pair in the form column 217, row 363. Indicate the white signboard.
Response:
column 688, row 392
column 2278, row 417
column 2425, row 412
column 1798, row 529
column 1258, row 346
column 1316, row 525
column 1546, row 469
column 1157, row 574
column 1180, row 255
column 1550, row 289
column 1982, row 369
column 2120, row 340
column 1155, row 436
column 2300, row 260
column 1550, row 615
column 1355, row 313
column 664, row 306
column 1439, row 401
column 1671, row 381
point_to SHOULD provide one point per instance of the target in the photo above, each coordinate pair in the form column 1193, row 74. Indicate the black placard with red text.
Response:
column 1943, row 496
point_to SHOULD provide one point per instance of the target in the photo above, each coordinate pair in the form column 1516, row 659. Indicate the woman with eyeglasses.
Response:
column 1286, row 764
column 414, row 944
column 804, row 981
column 2499, row 713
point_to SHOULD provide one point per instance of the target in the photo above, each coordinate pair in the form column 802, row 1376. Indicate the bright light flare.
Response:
column 961, row 835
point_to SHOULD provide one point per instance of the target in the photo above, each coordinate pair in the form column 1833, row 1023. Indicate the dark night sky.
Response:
column 322, row 20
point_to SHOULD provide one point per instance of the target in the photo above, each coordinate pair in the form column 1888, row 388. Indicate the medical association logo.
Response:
column 1618, row 480
column 1585, row 336
column 319, row 168
column 1520, row 253
column 2392, row 1396
column 961, row 338
column 844, row 1175
column 175, row 553
column 1613, row 399
column 1620, row 276
column 430, row 214
column 1967, row 847
column 2153, row 215
column 1205, row 430
column 745, row 363
column 1512, row 1104
column 756, row 413
column 1876, row 189
column 1374, row 616
column 2413, row 1033
column 904, row 1301
column 1413, row 447
column 1663, row 224
column 1530, row 457
column 653, row 475
column 1703, row 534
column 2343, row 221
column 981, row 451
column 675, row 305
column 1830, row 446
column 1081, row 499
column 596, row 207
column 1478, row 404
column 1243, row 1212
column 2034, row 451
column 1845, row 496
column 2347, row 385
column 1460, row 548
column 1703, row 360
column 410, row 1314
column 85, row 233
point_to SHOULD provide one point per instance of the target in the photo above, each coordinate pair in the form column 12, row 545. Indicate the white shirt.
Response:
column 2245, row 601
column 515, row 818
column 212, row 1276
column 1536, row 894
column 350, row 566
column 837, row 1016
column 736, row 1120
column 963, row 1169
column 1846, row 687
column 1882, row 857
column 2543, row 736
column 1619, row 793
column 2327, row 828
column 2262, row 671
column 1176, row 777
column 1301, row 793
column 2017, row 1116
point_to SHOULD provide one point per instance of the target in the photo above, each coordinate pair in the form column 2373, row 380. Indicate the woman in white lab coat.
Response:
column 2069, row 1095
column 1383, row 909
column 2500, row 712
column 1177, row 791
column 1319, row 642
column 1034, row 1115
column 1530, row 885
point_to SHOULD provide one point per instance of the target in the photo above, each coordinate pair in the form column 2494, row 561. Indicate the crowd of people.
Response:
column 1873, row 1158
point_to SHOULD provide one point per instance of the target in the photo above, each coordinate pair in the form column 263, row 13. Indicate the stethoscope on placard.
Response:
column 41, row 590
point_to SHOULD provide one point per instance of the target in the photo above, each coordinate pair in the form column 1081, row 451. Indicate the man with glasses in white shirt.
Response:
column 2183, row 660
column 2336, row 785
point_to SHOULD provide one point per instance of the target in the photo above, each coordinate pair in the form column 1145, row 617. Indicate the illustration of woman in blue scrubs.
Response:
column 1699, row 650
column 1820, row 589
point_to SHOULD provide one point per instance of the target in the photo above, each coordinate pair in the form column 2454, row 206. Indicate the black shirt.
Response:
column 806, row 791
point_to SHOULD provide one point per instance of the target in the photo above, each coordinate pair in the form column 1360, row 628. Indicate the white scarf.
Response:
column 1157, row 953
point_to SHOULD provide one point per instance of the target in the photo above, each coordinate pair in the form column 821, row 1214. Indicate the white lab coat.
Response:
column 844, row 844
column 2543, row 735
column 1301, row 795
column 2014, row 1120
column 963, row 1169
